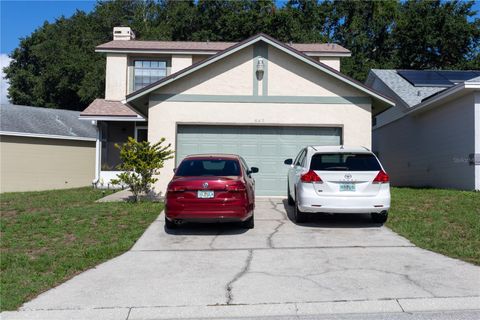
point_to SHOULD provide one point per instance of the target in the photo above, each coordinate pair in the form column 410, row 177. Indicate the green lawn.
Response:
column 444, row 221
column 48, row 237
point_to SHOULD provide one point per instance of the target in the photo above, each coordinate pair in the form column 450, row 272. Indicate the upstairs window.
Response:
column 148, row 71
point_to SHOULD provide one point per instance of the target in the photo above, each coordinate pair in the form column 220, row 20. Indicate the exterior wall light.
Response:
column 260, row 68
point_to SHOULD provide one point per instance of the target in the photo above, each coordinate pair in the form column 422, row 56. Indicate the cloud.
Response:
column 4, row 61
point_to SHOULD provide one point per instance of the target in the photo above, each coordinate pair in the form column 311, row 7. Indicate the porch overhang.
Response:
column 111, row 110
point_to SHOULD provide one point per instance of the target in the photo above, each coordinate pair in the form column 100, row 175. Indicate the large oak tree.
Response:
column 56, row 66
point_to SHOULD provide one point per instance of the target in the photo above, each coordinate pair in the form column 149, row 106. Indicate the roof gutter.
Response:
column 111, row 118
column 447, row 93
column 47, row 136
column 212, row 52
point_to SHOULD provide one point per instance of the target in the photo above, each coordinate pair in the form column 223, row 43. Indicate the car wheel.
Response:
column 249, row 223
column 291, row 202
column 298, row 215
column 169, row 224
column 380, row 217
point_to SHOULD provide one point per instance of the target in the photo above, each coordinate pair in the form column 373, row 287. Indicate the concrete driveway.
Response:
column 334, row 264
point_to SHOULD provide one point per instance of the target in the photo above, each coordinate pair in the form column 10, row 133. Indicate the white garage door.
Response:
column 262, row 147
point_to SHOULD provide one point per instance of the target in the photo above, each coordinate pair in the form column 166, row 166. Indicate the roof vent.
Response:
column 123, row 33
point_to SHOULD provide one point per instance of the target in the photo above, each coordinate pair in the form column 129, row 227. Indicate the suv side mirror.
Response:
column 253, row 170
column 174, row 169
column 288, row 161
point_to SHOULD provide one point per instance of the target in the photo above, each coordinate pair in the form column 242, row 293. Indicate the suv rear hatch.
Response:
column 346, row 174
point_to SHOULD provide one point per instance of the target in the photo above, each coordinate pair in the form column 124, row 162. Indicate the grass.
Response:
column 48, row 237
column 444, row 221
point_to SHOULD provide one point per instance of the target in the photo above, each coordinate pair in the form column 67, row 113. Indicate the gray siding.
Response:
column 430, row 148
column 394, row 112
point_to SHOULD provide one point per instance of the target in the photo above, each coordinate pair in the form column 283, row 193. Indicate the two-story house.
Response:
column 260, row 98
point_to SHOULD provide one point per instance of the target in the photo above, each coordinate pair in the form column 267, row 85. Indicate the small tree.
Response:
column 141, row 161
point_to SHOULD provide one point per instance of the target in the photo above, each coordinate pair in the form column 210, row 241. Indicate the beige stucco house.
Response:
column 259, row 98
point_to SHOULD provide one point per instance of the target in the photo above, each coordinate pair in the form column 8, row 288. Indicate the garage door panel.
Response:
column 262, row 147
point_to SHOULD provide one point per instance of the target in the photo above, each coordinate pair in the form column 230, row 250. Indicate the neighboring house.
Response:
column 432, row 136
column 43, row 149
column 259, row 98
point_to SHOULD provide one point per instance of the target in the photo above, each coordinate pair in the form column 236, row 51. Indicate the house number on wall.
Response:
column 259, row 120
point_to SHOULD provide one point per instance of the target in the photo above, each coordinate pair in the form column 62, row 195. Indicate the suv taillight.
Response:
column 310, row 176
column 381, row 177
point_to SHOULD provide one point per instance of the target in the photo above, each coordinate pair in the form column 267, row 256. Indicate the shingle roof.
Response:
column 102, row 107
column 210, row 46
column 165, row 45
column 410, row 94
column 44, row 121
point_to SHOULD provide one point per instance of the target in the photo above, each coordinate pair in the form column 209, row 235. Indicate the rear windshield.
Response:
column 344, row 162
column 210, row 167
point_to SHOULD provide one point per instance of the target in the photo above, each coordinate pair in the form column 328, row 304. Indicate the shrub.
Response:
column 141, row 161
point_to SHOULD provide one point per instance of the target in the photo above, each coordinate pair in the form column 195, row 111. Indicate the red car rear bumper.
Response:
column 202, row 211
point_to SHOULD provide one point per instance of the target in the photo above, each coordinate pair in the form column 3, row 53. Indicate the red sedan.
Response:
column 211, row 188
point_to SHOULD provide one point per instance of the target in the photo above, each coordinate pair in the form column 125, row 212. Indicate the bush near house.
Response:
column 444, row 221
column 48, row 237
column 141, row 161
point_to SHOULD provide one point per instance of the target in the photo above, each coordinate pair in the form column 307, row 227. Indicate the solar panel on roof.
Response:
column 425, row 78
column 459, row 76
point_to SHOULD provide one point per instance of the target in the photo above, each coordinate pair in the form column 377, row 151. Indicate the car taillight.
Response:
column 310, row 176
column 236, row 187
column 381, row 177
column 175, row 189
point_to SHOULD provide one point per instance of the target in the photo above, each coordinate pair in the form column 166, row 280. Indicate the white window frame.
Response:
column 166, row 61
column 139, row 128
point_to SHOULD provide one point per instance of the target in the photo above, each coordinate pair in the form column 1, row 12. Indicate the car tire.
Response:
column 298, row 215
column 169, row 224
column 291, row 202
column 379, row 217
column 249, row 223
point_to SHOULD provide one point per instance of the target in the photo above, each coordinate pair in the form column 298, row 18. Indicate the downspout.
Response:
column 98, row 148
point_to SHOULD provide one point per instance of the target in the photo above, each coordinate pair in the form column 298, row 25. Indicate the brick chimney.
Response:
column 123, row 33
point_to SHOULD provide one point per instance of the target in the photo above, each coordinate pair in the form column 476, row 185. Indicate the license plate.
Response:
column 347, row 187
column 204, row 194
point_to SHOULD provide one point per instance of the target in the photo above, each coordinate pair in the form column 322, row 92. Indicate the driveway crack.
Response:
column 210, row 245
column 403, row 275
column 245, row 269
column 270, row 236
column 306, row 278
column 274, row 207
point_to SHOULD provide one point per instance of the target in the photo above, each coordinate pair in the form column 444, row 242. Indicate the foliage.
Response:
column 444, row 221
column 50, row 236
column 141, row 161
column 447, row 40
column 57, row 67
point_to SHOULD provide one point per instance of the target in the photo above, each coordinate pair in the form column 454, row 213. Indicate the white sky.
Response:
column 4, row 61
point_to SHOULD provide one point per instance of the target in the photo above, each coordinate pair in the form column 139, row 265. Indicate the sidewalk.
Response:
column 126, row 195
